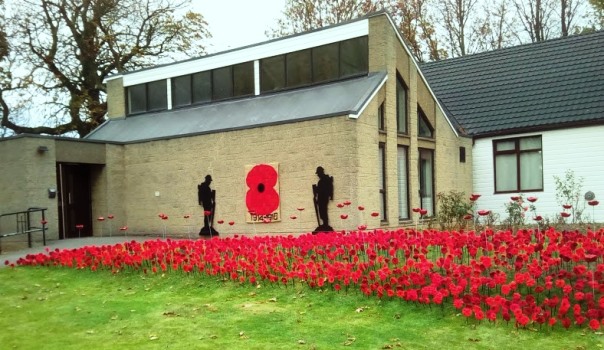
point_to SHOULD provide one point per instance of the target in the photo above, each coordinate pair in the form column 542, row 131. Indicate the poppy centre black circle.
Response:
column 260, row 187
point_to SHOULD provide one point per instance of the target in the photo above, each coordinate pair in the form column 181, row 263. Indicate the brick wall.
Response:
column 27, row 175
column 116, row 100
column 173, row 168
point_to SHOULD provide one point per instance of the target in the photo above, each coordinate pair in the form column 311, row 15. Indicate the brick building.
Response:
column 349, row 98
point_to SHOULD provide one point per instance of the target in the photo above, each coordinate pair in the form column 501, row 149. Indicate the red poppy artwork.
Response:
column 262, row 198
column 553, row 279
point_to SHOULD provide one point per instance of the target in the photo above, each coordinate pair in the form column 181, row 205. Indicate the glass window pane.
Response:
column 325, row 62
column 381, row 120
column 202, row 87
column 426, row 180
column 157, row 93
column 505, row 145
column 425, row 129
column 222, row 83
column 401, row 106
column 272, row 73
column 137, row 99
column 382, row 175
column 530, row 143
column 354, row 57
column 531, row 171
column 243, row 77
column 505, row 173
column 298, row 68
column 181, row 91
column 403, row 192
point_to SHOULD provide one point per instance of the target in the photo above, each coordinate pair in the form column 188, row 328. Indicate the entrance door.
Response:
column 74, row 200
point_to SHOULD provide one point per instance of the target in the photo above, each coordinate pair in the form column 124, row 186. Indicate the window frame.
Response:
column 400, row 83
column 422, row 117
column 362, row 68
column 405, row 150
column 517, row 152
column 381, row 118
column 145, row 87
column 383, row 184
column 432, row 152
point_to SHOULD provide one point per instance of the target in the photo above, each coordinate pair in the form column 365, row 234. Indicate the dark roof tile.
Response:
column 544, row 85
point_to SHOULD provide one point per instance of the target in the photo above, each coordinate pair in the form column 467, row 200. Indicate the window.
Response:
column 202, row 87
column 319, row 64
column 272, row 73
column 137, row 99
column 298, row 68
column 181, row 91
column 518, row 164
column 152, row 96
column 157, row 95
column 401, row 106
column 381, row 120
column 403, row 185
column 382, row 176
column 423, row 125
column 462, row 154
column 426, row 180
column 243, row 79
column 222, row 83
column 325, row 61
column 354, row 58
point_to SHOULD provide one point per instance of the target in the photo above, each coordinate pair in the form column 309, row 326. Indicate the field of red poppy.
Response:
column 549, row 281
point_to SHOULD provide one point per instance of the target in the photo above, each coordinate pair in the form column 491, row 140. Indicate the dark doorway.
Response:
column 75, row 210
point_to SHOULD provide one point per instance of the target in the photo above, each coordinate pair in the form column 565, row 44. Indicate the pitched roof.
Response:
column 347, row 97
column 545, row 85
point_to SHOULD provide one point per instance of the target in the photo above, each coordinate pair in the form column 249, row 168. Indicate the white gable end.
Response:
column 578, row 149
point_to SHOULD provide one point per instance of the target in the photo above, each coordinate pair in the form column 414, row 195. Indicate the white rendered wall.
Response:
column 579, row 149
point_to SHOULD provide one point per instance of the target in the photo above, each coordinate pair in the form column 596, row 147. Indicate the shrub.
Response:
column 517, row 210
column 452, row 206
column 568, row 191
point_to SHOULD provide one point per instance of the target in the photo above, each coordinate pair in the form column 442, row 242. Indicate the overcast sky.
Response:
column 236, row 23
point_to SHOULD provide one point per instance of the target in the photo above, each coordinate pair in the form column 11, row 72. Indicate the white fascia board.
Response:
column 400, row 38
column 364, row 106
column 251, row 53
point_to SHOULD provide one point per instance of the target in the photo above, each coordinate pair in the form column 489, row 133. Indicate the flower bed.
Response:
column 527, row 277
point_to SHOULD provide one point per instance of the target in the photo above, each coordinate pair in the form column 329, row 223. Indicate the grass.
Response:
column 42, row 308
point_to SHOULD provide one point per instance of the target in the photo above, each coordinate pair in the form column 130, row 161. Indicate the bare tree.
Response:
column 458, row 25
column 416, row 26
column 536, row 17
column 304, row 15
column 496, row 29
column 64, row 49
column 568, row 12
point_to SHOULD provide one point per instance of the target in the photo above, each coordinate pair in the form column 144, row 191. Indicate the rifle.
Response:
column 213, row 211
column 314, row 200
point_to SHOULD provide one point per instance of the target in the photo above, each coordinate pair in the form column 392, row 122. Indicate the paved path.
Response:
column 71, row 243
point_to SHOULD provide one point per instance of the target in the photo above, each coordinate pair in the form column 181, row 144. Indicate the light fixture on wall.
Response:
column 42, row 149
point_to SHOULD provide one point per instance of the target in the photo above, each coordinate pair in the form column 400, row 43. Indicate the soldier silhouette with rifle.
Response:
column 322, row 194
column 207, row 199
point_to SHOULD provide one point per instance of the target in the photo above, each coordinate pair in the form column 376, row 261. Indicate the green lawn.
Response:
column 50, row 308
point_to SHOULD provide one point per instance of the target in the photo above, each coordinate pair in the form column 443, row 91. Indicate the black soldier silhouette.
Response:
column 207, row 199
column 322, row 194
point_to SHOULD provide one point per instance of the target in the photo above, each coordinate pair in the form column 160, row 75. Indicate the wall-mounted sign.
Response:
column 262, row 197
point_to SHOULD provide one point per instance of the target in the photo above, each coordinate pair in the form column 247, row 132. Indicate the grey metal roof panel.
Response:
column 543, row 85
column 334, row 99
